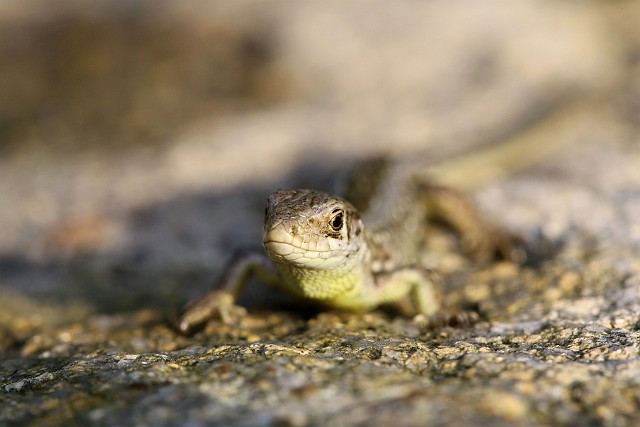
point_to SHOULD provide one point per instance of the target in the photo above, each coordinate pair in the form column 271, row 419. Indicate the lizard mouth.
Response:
column 309, row 251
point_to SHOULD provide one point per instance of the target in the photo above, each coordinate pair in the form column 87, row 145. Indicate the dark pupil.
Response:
column 336, row 222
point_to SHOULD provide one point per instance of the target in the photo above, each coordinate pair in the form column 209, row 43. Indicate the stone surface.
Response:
column 102, row 243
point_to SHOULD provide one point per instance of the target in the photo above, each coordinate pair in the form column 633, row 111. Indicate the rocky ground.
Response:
column 139, row 142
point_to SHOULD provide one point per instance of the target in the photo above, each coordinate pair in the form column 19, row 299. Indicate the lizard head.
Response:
column 312, row 229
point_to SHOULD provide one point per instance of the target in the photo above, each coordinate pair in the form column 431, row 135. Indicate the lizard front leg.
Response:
column 419, row 284
column 422, row 287
column 221, row 301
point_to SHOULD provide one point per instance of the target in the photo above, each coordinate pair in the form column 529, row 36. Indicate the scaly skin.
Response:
column 324, row 253
column 358, row 255
column 319, row 249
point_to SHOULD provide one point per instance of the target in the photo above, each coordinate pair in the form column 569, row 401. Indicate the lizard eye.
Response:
column 337, row 220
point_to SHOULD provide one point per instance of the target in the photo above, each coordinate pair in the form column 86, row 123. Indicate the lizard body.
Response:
column 359, row 254
column 323, row 248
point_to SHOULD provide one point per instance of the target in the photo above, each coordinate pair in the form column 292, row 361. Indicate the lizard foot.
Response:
column 494, row 242
column 215, row 304
column 456, row 318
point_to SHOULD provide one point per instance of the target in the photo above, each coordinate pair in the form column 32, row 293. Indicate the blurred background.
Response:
column 139, row 138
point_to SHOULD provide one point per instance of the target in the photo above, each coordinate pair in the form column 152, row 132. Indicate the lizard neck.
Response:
column 323, row 285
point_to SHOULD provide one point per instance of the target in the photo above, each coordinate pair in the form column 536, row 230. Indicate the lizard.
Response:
column 357, row 253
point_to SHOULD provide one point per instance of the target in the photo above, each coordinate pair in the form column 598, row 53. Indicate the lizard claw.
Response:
column 453, row 318
column 492, row 243
column 216, row 304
